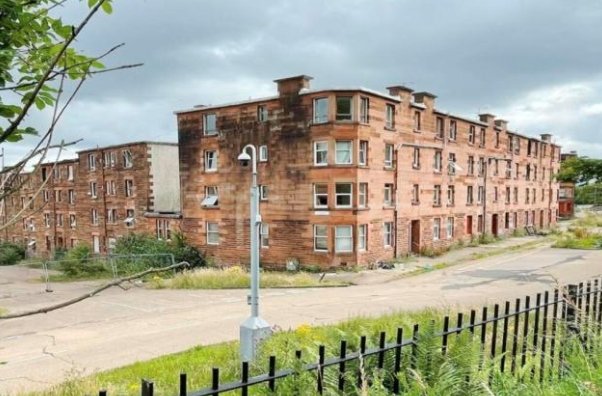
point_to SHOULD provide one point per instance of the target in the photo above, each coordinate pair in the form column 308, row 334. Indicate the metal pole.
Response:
column 254, row 329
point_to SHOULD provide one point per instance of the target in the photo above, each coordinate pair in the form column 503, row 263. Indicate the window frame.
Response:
column 388, row 234
column 264, row 235
column 389, row 155
column 362, row 153
column 323, row 238
column 437, row 229
column 345, row 194
column 322, row 118
column 316, row 151
column 321, row 194
column 263, row 153
column 364, row 110
column 206, row 130
column 348, row 237
column 362, row 237
column 128, row 159
column 389, row 116
column 362, row 195
column 210, row 158
column 214, row 233
column 262, row 113
column 344, row 117
column 388, row 195
column 337, row 150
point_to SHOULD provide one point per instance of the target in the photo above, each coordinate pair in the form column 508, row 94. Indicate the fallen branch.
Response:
column 116, row 282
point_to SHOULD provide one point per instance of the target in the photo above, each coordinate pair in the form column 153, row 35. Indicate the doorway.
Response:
column 96, row 243
column 541, row 215
column 468, row 225
column 494, row 225
column 415, row 237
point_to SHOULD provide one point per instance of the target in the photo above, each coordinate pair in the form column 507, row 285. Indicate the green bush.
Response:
column 11, row 253
column 80, row 262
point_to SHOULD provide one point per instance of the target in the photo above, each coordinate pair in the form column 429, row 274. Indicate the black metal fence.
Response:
column 509, row 336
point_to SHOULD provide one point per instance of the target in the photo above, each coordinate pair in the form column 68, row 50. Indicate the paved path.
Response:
column 121, row 327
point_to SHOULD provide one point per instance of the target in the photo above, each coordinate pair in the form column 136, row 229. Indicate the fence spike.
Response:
column 523, row 359
column 381, row 345
column 183, row 384
column 544, row 335
column 397, row 364
column 342, row 356
column 444, row 335
column 505, row 335
column 271, row 373
column 516, row 315
column 321, row 359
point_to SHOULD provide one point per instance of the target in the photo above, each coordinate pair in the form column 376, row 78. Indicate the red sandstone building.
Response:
column 352, row 176
column 103, row 194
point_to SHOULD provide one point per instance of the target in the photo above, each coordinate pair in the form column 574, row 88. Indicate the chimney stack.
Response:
column 546, row 137
column 487, row 118
column 502, row 124
column 292, row 85
column 426, row 98
column 404, row 93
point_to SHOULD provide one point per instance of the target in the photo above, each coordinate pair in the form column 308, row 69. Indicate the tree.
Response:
column 37, row 62
column 580, row 170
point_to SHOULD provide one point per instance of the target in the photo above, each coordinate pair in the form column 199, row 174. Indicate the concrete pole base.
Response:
column 252, row 332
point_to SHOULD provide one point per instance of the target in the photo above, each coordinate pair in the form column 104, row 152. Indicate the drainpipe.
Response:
column 485, row 172
column 395, row 184
column 104, row 199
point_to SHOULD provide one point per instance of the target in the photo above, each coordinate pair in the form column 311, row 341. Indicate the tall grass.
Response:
column 238, row 278
column 465, row 369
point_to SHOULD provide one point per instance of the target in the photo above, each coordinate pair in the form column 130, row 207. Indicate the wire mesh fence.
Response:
column 109, row 266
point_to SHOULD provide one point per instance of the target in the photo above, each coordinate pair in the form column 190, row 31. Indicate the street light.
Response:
column 254, row 329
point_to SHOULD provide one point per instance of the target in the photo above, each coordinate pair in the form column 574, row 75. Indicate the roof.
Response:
column 137, row 143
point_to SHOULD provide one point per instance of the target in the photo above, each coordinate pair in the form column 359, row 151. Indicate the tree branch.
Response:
column 116, row 282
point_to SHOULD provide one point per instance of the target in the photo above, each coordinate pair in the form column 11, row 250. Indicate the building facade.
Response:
column 353, row 176
column 101, row 195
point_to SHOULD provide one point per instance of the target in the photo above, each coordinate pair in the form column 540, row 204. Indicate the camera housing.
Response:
column 244, row 159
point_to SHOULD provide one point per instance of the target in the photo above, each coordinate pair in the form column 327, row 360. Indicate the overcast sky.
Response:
column 536, row 63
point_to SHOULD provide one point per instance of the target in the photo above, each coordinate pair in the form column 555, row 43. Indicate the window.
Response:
column 470, row 165
column 210, row 124
column 482, row 137
column 71, row 196
column 91, row 162
column 58, row 196
column 94, row 216
column 343, row 194
column 469, row 195
column 388, row 195
column 388, row 155
column 417, row 121
column 56, row 174
column 534, row 196
column 343, row 239
column 496, row 169
column 212, row 233
column 211, row 197
column 437, row 161
column 451, row 195
column 320, row 153
column 44, row 174
column 93, row 190
column 440, row 127
column 364, row 110
column 362, row 158
column 416, row 158
column 111, row 215
column 263, row 153
column 390, row 116
column 362, row 195
column 129, row 217
column 507, row 220
column 46, row 196
column 129, row 188
column 527, row 191
column 320, row 110
column 320, row 238
column 362, row 237
column 210, row 161
column 450, row 227
column 388, row 234
column 70, row 173
column 344, row 108
column 480, row 223
column 72, row 221
column 263, row 192
column 528, row 172
column 320, row 196
column 128, row 161
column 437, row 195
column 507, row 195
column 497, row 140
column 109, row 159
column 110, row 187
column 480, row 195
column 451, row 167
column 415, row 194
column 47, row 220
column 452, row 130
column 495, row 194
column 508, row 169
column 436, row 229
column 471, row 133
column 343, row 152
column 515, row 195
column 481, row 168
column 262, row 113
column 163, row 229
column 517, row 170
column 264, row 233
column 516, row 144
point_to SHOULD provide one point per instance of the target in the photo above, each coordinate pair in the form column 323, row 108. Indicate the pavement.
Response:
column 120, row 327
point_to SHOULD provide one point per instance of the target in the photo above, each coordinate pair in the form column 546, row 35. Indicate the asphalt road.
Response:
column 121, row 327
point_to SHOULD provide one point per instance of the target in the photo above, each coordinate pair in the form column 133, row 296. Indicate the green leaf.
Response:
column 107, row 7
column 39, row 103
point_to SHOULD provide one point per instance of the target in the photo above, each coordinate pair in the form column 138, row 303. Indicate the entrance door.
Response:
column 494, row 224
column 415, row 237
column 96, row 243
column 541, row 219
column 468, row 225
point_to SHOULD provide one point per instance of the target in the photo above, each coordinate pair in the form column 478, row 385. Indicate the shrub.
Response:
column 80, row 262
column 11, row 253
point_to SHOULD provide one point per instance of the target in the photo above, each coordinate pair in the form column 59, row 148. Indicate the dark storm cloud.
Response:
column 536, row 63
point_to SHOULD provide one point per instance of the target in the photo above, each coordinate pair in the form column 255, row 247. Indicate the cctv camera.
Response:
column 244, row 159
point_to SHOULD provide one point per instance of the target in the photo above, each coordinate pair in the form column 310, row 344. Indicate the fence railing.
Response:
column 529, row 331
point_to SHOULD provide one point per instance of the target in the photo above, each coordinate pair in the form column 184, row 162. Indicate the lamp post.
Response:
column 254, row 329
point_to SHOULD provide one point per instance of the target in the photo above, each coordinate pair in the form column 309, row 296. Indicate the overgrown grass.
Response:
column 465, row 370
column 238, row 278
column 590, row 220
column 3, row 311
